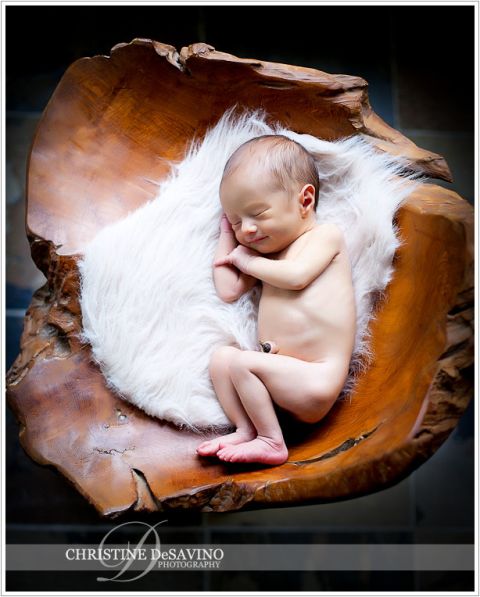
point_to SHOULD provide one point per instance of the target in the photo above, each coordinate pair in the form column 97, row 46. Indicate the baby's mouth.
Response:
column 257, row 240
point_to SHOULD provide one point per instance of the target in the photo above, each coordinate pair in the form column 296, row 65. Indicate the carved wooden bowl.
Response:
column 110, row 128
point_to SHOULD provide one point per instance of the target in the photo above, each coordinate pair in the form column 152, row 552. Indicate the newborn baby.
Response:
column 306, row 318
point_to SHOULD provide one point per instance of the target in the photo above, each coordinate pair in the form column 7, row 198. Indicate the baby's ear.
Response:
column 307, row 198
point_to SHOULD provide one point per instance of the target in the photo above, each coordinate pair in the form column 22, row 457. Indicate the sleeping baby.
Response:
column 269, row 234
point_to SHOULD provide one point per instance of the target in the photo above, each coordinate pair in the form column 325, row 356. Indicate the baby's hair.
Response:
column 286, row 160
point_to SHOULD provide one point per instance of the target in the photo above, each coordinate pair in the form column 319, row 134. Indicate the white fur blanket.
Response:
column 149, row 307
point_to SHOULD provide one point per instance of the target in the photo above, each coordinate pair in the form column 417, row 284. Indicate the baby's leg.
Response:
column 268, row 446
column 231, row 404
column 307, row 390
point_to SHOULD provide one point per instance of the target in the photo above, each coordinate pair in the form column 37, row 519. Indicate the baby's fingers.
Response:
column 225, row 225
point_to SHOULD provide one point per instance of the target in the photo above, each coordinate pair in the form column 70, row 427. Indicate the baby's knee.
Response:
column 221, row 358
column 241, row 363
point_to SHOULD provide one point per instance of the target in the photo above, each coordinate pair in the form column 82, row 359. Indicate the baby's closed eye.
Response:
column 261, row 213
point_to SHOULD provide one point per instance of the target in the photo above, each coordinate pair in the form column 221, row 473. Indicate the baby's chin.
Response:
column 266, row 246
column 262, row 247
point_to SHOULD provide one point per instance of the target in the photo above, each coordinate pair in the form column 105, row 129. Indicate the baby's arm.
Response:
column 230, row 282
column 293, row 274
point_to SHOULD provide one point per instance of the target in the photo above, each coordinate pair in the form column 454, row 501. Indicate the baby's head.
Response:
column 269, row 192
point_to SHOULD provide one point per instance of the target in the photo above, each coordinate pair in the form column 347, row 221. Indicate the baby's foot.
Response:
column 259, row 449
column 211, row 447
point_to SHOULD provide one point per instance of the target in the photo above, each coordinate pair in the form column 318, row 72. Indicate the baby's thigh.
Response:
column 307, row 390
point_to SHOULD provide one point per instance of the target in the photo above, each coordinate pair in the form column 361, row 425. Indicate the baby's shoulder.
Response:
column 328, row 232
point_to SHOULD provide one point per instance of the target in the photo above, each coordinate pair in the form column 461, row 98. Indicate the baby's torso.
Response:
column 317, row 323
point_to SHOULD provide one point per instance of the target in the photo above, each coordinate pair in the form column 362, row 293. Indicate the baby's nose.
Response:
column 249, row 227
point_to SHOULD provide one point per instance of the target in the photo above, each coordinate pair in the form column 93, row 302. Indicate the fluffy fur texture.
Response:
column 150, row 311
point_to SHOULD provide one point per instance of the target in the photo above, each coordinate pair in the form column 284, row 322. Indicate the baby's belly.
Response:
column 317, row 331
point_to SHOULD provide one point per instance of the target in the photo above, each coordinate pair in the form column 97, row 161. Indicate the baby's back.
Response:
column 317, row 323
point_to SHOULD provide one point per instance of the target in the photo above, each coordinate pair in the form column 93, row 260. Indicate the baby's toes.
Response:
column 224, row 454
column 209, row 447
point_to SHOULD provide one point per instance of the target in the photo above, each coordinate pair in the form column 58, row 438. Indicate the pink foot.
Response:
column 211, row 447
column 258, row 450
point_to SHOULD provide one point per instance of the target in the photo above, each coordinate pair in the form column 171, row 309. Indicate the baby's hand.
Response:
column 240, row 257
column 225, row 225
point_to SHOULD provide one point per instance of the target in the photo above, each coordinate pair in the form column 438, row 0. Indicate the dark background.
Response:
column 419, row 62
